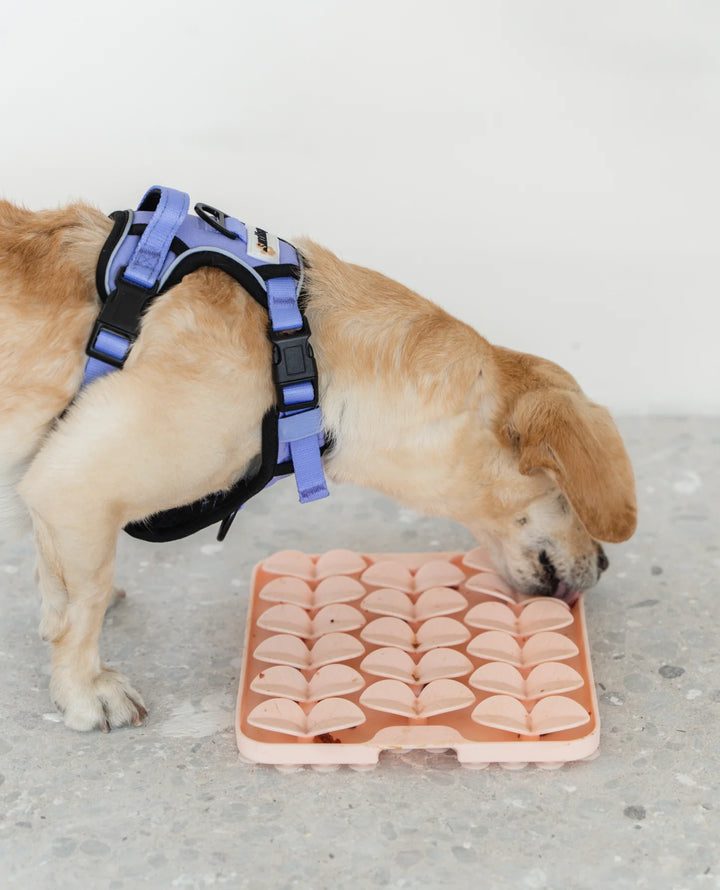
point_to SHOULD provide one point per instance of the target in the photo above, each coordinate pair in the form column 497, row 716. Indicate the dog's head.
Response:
column 560, row 482
column 424, row 409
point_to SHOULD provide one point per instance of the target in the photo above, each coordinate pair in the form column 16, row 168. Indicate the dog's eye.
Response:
column 522, row 520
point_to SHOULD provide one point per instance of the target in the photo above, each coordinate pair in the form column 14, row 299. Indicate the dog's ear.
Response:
column 578, row 444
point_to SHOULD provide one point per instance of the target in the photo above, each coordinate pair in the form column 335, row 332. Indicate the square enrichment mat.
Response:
column 347, row 655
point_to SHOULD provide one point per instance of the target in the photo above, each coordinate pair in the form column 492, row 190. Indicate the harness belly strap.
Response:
column 149, row 251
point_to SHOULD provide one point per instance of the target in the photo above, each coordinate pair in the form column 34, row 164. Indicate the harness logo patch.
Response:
column 262, row 245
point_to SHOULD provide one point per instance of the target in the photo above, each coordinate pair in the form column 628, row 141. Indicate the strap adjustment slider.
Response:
column 120, row 317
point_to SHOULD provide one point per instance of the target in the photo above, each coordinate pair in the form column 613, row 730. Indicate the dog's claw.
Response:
column 117, row 595
column 140, row 716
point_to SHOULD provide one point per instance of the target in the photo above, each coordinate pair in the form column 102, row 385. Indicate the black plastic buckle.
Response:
column 121, row 314
column 294, row 362
column 215, row 218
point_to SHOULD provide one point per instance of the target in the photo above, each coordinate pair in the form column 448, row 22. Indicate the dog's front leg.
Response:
column 76, row 521
column 118, row 456
column 75, row 575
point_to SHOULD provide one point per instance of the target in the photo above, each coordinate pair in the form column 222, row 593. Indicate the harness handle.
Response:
column 152, row 249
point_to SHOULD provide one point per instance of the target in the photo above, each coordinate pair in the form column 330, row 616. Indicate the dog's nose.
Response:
column 550, row 578
column 603, row 561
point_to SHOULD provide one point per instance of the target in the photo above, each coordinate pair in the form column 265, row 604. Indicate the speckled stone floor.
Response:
column 170, row 804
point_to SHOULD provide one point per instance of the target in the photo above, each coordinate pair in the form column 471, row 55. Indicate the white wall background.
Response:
column 548, row 171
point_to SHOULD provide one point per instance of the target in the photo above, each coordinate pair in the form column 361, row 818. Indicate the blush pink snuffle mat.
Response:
column 349, row 655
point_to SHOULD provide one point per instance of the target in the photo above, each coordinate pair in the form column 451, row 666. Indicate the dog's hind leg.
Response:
column 121, row 454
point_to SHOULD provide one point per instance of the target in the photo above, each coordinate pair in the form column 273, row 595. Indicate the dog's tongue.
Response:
column 567, row 594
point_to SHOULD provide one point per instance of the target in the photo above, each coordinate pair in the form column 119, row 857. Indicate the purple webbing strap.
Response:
column 152, row 249
column 143, row 270
column 309, row 474
column 301, row 431
column 282, row 304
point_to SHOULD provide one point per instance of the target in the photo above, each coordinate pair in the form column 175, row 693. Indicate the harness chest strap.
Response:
column 149, row 251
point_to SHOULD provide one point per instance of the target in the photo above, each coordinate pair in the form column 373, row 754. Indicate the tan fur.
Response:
column 418, row 406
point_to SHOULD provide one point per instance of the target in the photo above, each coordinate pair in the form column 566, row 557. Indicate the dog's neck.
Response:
column 401, row 382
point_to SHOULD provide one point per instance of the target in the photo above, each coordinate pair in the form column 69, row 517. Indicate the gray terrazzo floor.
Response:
column 171, row 805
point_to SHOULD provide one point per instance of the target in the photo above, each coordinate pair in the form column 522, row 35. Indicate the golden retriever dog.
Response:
column 417, row 405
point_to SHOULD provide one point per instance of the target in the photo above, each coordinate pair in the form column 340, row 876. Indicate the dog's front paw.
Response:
column 107, row 701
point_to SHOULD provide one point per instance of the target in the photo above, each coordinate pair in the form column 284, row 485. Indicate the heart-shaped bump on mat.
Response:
column 339, row 562
column 438, row 697
column 549, row 678
column 283, row 681
column 287, row 717
column 493, row 585
column 335, row 589
column 299, row 564
column 496, row 645
column 523, row 620
column 288, row 619
column 291, row 650
column 553, row 714
column 436, row 573
column 479, row 560
column 431, row 634
column 437, row 664
column 431, row 603
column 288, row 589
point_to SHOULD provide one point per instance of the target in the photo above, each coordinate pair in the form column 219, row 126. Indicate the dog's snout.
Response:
column 554, row 575
column 603, row 561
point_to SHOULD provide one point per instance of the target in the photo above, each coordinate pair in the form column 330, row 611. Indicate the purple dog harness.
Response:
column 152, row 249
